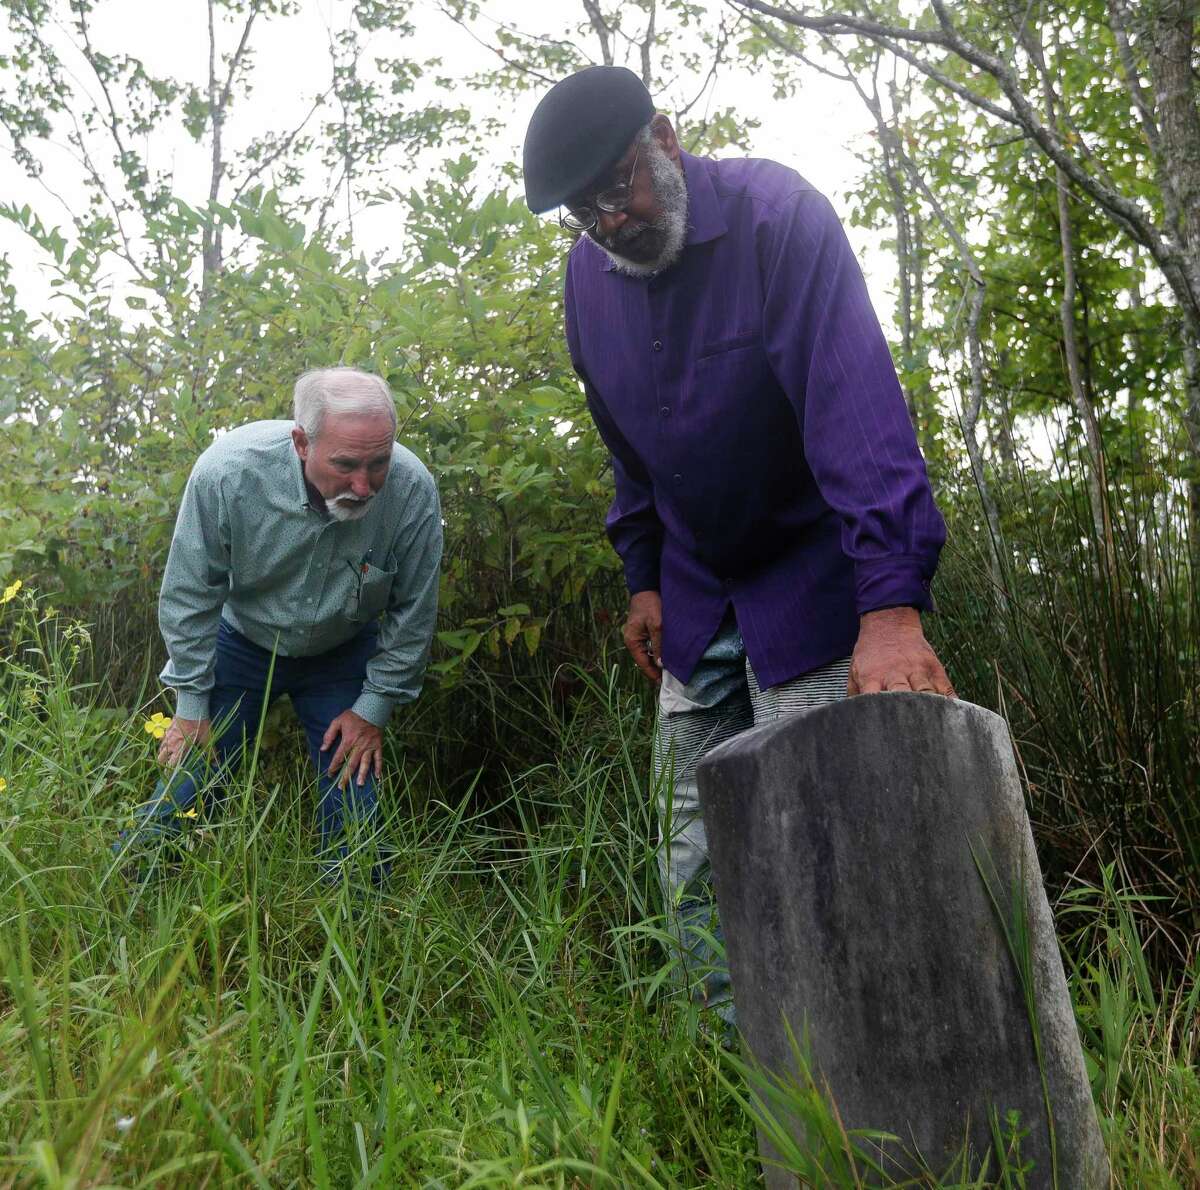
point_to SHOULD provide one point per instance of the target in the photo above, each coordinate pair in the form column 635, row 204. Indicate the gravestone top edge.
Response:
column 841, row 715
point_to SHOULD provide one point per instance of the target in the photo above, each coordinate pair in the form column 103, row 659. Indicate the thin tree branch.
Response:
column 884, row 40
column 279, row 149
column 510, row 63
column 1143, row 103
column 603, row 32
column 114, row 121
column 647, row 44
column 718, row 58
column 236, row 60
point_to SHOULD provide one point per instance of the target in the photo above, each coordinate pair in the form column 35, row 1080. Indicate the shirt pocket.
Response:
column 370, row 595
column 720, row 347
column 729, row 377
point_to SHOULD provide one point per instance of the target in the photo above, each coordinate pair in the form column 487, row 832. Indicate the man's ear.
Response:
column 300, row 442
column 663, row 132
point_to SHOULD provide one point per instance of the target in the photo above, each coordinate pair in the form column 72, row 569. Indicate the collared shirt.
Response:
column 762, row 452
column 250, row 547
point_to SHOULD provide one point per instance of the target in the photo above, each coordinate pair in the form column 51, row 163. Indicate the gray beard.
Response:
column 670, row 191
column 348, row 508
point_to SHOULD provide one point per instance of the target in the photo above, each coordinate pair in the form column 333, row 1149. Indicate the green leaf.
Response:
column 532, row 635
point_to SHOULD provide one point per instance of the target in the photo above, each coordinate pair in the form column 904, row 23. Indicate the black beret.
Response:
column 582, row 125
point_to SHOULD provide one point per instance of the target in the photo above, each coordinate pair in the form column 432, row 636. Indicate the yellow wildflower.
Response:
column 192, row 813
column 30, row 696
column 11, row 590
column 156, row 725
column 3, row 784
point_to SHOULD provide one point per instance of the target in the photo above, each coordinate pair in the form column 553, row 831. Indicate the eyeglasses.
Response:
column 616, row 198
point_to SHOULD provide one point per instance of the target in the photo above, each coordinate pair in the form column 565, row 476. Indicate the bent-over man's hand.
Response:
column 643, row 633
column 360, row 749
column 893, row 654
column 179, row 737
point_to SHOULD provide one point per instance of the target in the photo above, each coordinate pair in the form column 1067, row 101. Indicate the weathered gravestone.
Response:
column 847, row 844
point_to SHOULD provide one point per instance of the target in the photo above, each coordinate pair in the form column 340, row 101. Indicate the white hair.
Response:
column 339, row 390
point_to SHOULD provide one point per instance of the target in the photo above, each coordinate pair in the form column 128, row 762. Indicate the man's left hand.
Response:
column 893, row 654
column 360, row 749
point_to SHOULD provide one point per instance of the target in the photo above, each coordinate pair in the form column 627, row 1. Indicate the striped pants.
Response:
column 721, row 699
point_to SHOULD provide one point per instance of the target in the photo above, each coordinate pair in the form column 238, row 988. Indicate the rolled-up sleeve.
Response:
column 632, row 523
column 396, row 672
column 195, row 584
column 830, row 355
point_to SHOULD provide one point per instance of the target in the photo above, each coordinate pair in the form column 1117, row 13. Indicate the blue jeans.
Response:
column 320, row 687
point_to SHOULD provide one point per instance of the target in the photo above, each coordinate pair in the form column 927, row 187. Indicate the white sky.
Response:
column 815, row 132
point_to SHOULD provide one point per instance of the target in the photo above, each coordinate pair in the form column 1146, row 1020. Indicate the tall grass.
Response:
column 1097, row 669
column 502, row 1014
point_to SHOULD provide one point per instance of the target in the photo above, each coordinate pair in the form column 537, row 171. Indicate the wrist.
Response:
column 890, row 618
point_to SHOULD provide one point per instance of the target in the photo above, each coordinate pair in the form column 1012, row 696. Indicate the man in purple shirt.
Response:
column 772, row 509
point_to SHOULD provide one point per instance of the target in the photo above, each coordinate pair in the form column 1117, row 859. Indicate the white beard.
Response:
column 670, row 190
column 348, row 508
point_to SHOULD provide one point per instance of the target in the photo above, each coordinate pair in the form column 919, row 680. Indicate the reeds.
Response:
column 1096, row 667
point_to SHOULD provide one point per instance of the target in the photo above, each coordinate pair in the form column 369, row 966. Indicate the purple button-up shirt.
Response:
column 762, row 452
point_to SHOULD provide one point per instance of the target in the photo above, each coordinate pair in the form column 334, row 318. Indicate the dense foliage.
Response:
column 1050, row 371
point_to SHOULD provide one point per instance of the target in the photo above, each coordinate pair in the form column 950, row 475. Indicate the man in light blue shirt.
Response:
column 304, row 562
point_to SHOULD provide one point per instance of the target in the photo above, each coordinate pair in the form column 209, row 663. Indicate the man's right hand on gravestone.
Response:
column 893, row 654
column 643, row 633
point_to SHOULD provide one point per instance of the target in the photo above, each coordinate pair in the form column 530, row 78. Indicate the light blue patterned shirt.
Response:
column 249, row 546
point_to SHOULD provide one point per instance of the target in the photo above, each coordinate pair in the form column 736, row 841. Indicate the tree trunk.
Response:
column 1170, row 44
column 601, row 29
column 219, row 96
column 1094, row 466
column 211, row 252
column 894, row 150
column 904, row 275
column 970, row 428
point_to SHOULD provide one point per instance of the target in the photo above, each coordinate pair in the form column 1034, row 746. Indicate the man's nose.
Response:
column 608, row 222
column 359, row 485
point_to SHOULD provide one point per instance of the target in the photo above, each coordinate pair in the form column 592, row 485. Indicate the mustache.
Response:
column 624, row 234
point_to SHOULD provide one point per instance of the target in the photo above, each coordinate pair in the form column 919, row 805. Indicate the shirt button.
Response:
column 665, row 411
column 677, row 477
column 657, row 344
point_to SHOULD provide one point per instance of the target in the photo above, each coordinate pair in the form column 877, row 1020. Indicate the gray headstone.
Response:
column 846, row 845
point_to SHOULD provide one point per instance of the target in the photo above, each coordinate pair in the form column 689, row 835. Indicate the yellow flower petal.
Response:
column 3, row 784
column 11, row 590
column 156, row 725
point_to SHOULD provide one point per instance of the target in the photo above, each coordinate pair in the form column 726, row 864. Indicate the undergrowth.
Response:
column 504, row 1013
